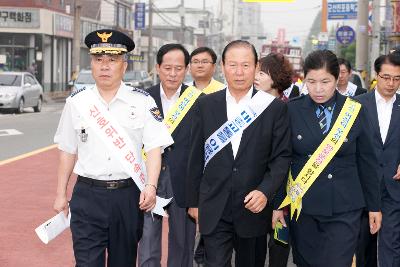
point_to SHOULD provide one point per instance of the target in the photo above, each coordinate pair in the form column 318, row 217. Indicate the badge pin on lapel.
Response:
column 132, row 112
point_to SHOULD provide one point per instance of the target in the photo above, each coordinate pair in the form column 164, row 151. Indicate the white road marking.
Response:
column 8, row 132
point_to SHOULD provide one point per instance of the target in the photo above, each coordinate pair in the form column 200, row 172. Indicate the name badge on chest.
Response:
column 83, row 135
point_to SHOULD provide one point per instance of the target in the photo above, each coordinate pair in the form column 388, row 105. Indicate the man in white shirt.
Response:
column 106, row 205
column 172, row 65
column 344, row 86
column 383, row 106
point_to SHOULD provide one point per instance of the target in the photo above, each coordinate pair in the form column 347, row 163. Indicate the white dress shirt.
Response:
column 168, row 103
column 350, row 89
column 384, row 109
column 232, row 109
column 135, row 111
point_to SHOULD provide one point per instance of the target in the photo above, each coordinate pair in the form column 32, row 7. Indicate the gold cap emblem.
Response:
column 104, row 36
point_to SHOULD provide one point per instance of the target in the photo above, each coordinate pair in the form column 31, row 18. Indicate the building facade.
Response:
column 36, row 36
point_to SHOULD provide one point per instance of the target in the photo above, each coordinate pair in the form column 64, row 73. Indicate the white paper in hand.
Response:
column 53, row 227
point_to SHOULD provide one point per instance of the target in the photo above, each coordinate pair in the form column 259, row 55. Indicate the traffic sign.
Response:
column 342, row 10
column 140, row 12
column 345, row 35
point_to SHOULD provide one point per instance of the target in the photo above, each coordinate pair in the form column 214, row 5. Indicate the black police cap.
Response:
column 107, row 41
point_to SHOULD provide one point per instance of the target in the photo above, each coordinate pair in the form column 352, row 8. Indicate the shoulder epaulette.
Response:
column 77, row 91
column 140, row 91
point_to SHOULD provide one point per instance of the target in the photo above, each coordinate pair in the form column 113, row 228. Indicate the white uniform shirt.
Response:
column 135, row 111
column 232, row 109
column 166, row 103
column 384, row 110
column 350, row 89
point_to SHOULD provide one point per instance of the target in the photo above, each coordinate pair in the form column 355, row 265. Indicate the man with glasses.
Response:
column 171, row 94
column 202, row 68
column 100, row 137
column 344, row 86
column 383, row 106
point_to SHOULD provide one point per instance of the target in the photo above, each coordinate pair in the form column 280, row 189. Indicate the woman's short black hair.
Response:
column 169, row 47
column 322, row 59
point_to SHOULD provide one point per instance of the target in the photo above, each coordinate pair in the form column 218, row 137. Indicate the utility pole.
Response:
column 150, row 48
column 182, row 15
column 324, row 17
column 376, row 28
column 204, row 23
column 362, row 36
column 77, row 38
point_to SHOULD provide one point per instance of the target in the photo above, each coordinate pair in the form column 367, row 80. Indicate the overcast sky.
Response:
column 296, row 17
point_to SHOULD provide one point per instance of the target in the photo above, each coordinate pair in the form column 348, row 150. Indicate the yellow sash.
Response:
column 296, row 189
column 214, row 86
column 179, row 110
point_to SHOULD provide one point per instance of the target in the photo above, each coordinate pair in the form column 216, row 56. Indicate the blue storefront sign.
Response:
column 140, row 13
column 342, row 10
column 345, row 35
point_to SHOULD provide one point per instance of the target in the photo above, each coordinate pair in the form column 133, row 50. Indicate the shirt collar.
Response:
column 247, row 97
column 330, row 104
column 122, row 93
column 379, row 98
column 164, row 96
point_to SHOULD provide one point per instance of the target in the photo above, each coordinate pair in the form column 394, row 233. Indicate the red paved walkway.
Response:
column 27, row 191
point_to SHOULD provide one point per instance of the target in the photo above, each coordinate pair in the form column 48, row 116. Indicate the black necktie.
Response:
column 322, row 118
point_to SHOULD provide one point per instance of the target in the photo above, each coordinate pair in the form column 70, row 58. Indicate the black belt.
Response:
column 114, row 184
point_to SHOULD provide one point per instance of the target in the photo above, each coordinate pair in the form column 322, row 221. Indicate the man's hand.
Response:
column 375, row 220
column 277, row 215
column 147, row 199
column 397, row 175
column 194, row 213
column 255, row 201
column 61, row 204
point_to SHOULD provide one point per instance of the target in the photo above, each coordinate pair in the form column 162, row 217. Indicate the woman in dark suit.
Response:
column 325, row 233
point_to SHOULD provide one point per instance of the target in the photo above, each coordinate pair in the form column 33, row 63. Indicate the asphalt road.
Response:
column 22, row 133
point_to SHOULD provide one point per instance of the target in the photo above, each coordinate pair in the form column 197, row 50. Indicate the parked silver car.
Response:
column 84, row 79
column 138, row 78
column 19, row 90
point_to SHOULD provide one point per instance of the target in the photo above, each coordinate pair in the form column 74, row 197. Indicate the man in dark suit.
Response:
column 344, row 86
column 383, row 106
column 228, row 196
column 172, row 62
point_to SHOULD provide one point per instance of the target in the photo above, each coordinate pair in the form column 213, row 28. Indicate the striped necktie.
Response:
column 322, row 119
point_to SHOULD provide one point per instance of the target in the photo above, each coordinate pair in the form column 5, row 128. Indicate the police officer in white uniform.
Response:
column 106, row 206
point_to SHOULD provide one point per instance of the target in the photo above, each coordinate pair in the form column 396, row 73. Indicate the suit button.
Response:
column 330, row 176
column 235, row 169
column 163, row 168
column 299, row 137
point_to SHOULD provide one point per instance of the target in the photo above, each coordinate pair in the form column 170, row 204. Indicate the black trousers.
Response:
column 219, row 245
column 325, row 241
column 278, row 253
column 366, row 255
column 105, row 220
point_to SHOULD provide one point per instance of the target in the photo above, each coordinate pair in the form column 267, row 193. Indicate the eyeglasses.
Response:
column 388, row 78
column 109, row 60
column 203, row 62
